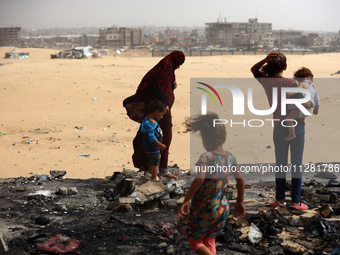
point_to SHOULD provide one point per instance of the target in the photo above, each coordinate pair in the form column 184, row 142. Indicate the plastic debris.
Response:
column 326, row 211
column 333, row 183
column 254, row 235
column 58, row 244
column 336, row 251
column 40, row 194
column 84, row 156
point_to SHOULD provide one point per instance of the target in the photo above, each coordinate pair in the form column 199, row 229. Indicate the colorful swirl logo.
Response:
column 209, row 93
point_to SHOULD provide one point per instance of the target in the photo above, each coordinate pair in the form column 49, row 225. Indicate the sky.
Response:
column 306, row 15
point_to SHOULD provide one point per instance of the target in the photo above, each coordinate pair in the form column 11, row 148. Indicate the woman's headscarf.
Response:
column 161, row 77
column 176, row 58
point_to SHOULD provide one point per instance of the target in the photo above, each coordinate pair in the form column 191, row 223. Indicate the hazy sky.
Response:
column 284, row 14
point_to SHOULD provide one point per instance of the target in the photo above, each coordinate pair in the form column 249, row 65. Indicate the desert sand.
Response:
column 55, row 111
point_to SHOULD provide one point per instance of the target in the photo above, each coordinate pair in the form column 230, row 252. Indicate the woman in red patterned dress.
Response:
column 159, row 83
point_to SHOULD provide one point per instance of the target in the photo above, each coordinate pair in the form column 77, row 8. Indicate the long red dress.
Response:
column 158, row 83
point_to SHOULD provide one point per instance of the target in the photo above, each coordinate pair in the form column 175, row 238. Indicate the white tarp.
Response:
column 87, row 51
column 16, row 54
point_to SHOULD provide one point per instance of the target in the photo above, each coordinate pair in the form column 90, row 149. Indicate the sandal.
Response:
column 168, row 174
column 148, row 177
column 276, row 204
column 301, row 207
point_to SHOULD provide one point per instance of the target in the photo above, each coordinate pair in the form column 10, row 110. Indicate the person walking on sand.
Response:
column 305, row 78
column 159, row 83
column 269, row 73
column 202, row 220
column 152, row 137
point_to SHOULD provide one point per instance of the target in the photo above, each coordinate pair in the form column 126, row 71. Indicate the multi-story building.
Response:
column 115, row 37
column 312, row 38
column 10, row 36
column 285, row 37
column 198, row 37
column 320, row 41
column 237, row 34
column 267, row 40
column 86, row 40
column 219, row 33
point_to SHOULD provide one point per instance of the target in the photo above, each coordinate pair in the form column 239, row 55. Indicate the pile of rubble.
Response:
column 123, row 214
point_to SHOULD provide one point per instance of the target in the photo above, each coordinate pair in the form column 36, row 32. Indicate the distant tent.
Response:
column 16, row 54
column 105, row 52
column 77, row 52
column 86, row 51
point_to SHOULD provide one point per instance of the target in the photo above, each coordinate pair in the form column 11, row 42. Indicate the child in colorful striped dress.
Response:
column 206, row 215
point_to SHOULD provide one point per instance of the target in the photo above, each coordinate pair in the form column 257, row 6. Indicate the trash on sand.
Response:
column 333, row 183
column 58, row 244
column 326, row 211
column 336, row 251
column 254, row 235
column 41, row 220
column 84, row 156
column 40, row 194
column 57, row 173
column 3, row 244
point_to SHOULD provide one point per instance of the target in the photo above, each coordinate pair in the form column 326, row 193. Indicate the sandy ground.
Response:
column 43, row 100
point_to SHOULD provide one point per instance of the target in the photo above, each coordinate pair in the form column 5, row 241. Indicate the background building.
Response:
column 198, row 37
column 10, row 36
column 239, row 34
column 286, row 37
column 116, row 37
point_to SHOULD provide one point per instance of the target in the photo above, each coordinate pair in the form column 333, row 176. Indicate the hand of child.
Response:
column 162, row 147
column 239, row 210
column 290, row 94
column 184, row 210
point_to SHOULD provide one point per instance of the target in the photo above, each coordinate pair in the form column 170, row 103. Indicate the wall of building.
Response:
column 116, row 37
column 10, row 36
column 235, row 34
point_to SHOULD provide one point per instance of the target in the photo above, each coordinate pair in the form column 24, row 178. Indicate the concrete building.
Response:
column 312, row 38
column 176, row 37
column 320, row 41
column 116, row 37
column 86, row 40
column 219, row 33
column 10, row 36
column 237, row 34
column 198, row 37
column 267, row 40
column 285, row 37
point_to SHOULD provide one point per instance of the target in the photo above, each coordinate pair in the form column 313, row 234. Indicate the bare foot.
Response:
column 169, row 175
column 289, row 138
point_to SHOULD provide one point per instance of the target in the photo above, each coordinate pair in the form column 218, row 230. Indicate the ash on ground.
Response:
column 123, row 214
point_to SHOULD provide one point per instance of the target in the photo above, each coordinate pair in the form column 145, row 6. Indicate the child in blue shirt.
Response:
column 153, row 136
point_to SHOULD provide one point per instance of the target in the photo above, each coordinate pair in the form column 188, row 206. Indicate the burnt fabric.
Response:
column 158, row 83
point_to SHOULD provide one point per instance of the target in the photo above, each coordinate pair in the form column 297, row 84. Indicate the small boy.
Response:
column 153, row 136
column 304, row 76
